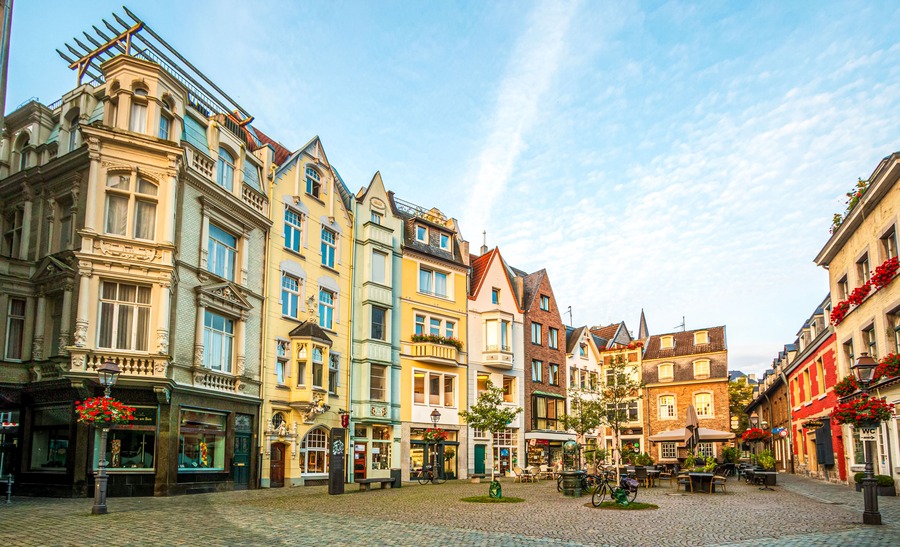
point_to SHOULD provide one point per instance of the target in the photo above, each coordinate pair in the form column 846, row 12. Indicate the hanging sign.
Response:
column 867, row 433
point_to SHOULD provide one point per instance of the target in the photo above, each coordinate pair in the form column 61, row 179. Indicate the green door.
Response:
column 479, row 459
column 241, row 467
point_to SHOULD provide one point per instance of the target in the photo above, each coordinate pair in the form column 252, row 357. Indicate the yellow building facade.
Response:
column 433, row 352
column 306, row 376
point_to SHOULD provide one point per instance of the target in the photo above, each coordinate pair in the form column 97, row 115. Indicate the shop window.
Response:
column 314, row 452
column 222, row 248
column 50, row 438
column 15, row 329
column 218, row 342
column 293, row 229
column 377, row 382
column 132, row 445
column 225, row 170
column 667, row 451
column 201, row 441
column 381, row 447
column 124, row 316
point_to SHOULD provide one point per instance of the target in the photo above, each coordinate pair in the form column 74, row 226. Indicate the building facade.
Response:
column 681, row 369
column 433, row 350
column 546, row 375
column 771, row 411
column 583, row 365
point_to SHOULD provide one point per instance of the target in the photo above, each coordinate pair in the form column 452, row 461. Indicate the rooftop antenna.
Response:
column 681, row 326
column 569, row 311
column 484, row 248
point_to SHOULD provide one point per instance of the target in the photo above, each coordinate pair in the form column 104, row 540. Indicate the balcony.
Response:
column 432, row 353
column 140, row 366
column 378, row 233
column 498, row 357
column 218, row 381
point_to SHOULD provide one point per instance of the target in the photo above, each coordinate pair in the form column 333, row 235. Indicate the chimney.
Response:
column 484, row 248
column 752, row 377
column 464, row 251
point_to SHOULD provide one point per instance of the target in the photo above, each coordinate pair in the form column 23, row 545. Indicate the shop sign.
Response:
column 813, row 424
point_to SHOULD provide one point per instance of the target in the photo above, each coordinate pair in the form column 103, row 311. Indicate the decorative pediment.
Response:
column 225, row 296
column 51, row 268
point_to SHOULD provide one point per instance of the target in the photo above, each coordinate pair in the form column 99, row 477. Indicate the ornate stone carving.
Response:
column 162, row 394
column 240, row 365
column 159, row 367
column 85, row 268
column 51, row 207
column 63, row 342
column 81, row 327
column 37, row 348
column 128, row 251
column 378, row 411
column 162, row 341
column 27, row 192
column 78, row 361
column 198, row 355
column 311, row 309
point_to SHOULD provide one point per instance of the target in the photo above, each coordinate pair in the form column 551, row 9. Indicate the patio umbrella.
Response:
column 691, row 429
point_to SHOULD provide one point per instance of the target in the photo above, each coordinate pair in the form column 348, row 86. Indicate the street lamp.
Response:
column 435, row 417
column 108, row 373
column 864, row 369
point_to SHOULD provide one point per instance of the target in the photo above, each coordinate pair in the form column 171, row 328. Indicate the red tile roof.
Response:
column 606, row 332
column 684, row 344
column 281, row 152
column 479, row 267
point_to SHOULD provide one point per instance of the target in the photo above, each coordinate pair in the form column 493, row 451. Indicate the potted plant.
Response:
column 731, row 454
column 710, row 464
column 103, row 412
column 884, row 484
column 690, row 461
column 766, row 460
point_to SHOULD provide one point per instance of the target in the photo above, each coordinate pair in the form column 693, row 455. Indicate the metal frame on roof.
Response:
column 138, row 40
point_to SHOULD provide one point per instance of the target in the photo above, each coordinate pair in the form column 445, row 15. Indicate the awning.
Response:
column 550, row 435
column 678, row 435
column 548, row 394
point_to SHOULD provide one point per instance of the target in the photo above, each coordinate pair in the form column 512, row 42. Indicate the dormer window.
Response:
column 138, row 121
column 421, row 234
column 701, row 337
column 701, row 369
column 376, row 217
column 582, row 350
column 445, row 242
column 667, row 342
column 313, row 182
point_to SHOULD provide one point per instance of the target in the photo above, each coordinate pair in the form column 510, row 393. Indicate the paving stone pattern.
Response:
column 800, row 512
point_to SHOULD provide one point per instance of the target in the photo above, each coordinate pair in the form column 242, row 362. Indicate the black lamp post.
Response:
column 864, row 369
column 435, row 417
column 108, row 373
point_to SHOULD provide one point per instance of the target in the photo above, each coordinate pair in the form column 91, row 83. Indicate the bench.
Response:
column 366, row 484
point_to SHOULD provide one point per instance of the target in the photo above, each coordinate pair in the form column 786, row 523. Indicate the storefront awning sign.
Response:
column 812, row 424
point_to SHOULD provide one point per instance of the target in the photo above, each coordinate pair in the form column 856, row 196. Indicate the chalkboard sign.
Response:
column 337, row 447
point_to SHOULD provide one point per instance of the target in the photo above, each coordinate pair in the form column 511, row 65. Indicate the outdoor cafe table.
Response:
column 700, row 482
column 653, row 474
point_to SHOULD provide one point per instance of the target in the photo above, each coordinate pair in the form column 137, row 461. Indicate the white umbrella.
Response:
column 704, row 434
column 691, row 426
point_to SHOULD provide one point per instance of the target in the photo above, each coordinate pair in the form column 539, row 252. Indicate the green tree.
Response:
column 490, row 414
column 584, row 414
column 740, row 393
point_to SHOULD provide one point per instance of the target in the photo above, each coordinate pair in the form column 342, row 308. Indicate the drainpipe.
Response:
column 355, row 205
column 787, row 396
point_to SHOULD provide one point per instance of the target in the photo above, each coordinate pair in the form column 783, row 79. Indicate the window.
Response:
column 326, row 309
column 301, row 366
column 807, row 386
column 379, row 267
column 496, row 335
column 432, row 282
column 141, row 202
column 293, row 228
column 313, row 184
column 894, row 325
column 848, row 352
column 318, row 368
column 495, row 296
column 379, row 323
column 582, row 350
column 15, row 329
column 445, row 241
column 889, row 244
column 65, row 232
column 869, row 341
column 225, row 171
column 138, row 120
column 553, row 338
column 862, row 269
column 481, row 383
column 314, row 452
column 376, row 217
column 222, row 251
column 131, row 444
column 201, row 441
column 667, row 342
column 328, row 247
column 843, row 288
column 703, row 404
column 820, row 376
column 706, row 450
column 546, row 412
column 545, row 303
column 536, row 371
column 290, row 296
column 667, row 451
column 218, row 341
column 666, row 372
column 381, row 447
column 554, row 375
column 627, row 411
column 73, row 132
column 50, row 438
column 124, row 316
column 281, row 369
column 536, row 333
column 449, row 328
column 441, row 388
column 12, row 233
column 701, row 337
column 701, row 369
column 585, row 376
column 377, row 382
column 23, row 153
column 573, row 377
column 666, row 407
column 421, row 234
column 165, row 126
column 615, row 376
column 509, row 389
column 334, row 372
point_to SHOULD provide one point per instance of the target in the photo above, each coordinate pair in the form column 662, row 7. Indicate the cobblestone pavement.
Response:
column 800, row 512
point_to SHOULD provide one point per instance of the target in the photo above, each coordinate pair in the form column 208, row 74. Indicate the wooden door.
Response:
column 359, row 461
column 479, row 459
column 276, row 466
column 241, row 467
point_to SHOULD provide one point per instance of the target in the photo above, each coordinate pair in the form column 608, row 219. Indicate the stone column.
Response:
column 40, row 319
column 65, row 322
column 162, row 320
column 25, row 241
column 51, row 219
column 239, row 343
column 84, row 297
column 94, row 191
column 198, row 337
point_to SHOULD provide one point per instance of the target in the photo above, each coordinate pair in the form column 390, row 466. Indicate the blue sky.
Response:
column 681, row 157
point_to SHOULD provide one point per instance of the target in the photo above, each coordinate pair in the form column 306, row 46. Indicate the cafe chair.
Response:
column 665, row 476
column 717, row 480
column 686, row 481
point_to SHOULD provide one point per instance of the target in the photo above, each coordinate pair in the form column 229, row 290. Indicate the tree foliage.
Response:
column 490, row 414
column 740, row 393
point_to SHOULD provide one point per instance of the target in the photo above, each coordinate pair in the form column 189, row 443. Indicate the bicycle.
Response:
column 427, row 474
column 627, row 489
column 587, row 482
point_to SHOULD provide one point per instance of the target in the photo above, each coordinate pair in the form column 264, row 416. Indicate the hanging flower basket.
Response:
column 863, row 411
column 846, row 386
column 888, row 367
column 755, row 435
column 102, row 411
column 433, row 435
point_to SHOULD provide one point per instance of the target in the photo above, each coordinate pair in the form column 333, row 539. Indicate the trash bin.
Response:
column 395, row 475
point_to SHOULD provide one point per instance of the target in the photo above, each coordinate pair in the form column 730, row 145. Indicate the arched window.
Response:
column 313, row 184
column 666, row 372
column 314, row 452
column 72, row 117
column 165, row 120
column 225, row 172
column 24, row 141
column 701, row 368
column 138, row 120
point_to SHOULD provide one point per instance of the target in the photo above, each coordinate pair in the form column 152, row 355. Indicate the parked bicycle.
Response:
column 428, row 473
column 627, row 489
column 587, row 482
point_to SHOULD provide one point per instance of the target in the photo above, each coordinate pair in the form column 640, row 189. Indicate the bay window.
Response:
column 546, row 412
column 138, row 120
column 377, row 382
column 379, row 323
column 379, row 267
column 496, row 335
column 318, row 368
column 124, row 316
column 334, row 372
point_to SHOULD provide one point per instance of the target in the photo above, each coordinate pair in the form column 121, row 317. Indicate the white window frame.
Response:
column 668, row 451
column 373, row 367
column 699, row 408
column 334, row 371
column 442, row 397
column 293, row 230
column 552, row 338
column 291, row 295
column 432, row 275
column 421, row 230
column 329, row 248
column 118, row 307
column 226, row 363
column 134, row 199
column 225, row 168
column 537, row 371
column 537, row 334
column 376, row 257
column 445, row 326
column 329, row 307
column 213, row 245
column 666, row 377
column 444, row 241
column 313, row 183
column 671, row 408
column 702, row 369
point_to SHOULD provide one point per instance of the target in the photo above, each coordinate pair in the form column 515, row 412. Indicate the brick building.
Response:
column 681, row 369
column 771, row 410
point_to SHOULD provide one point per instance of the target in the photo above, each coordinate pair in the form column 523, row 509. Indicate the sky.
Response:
column 681, row 158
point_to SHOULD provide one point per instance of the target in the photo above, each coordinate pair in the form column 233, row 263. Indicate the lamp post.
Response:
column 435, row 418
column 108, row 373
column 864, row 370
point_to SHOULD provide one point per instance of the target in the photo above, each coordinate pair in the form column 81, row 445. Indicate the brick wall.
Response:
column 547, row 319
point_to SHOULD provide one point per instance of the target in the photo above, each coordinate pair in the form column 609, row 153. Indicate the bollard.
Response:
column 9, row 483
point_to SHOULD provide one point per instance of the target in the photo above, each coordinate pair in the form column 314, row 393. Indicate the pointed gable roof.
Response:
column 608, row 332
column 312, row 331
column 573, row 335
column 481, row 265
column 531, row 285
column 643, row 331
